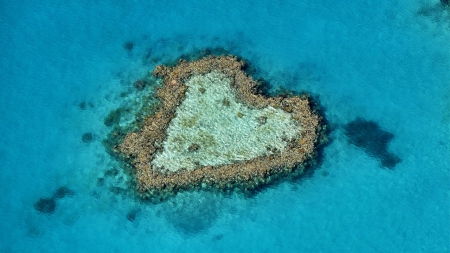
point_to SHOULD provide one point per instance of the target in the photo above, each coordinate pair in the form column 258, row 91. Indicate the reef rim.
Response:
column 140, row 147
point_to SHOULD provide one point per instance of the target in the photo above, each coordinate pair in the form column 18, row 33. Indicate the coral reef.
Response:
column 87, row 137
column 45, row 205
column 372, row 139
column 48, row 205
column 212, row 129
column 128, row 46
column 63, row 192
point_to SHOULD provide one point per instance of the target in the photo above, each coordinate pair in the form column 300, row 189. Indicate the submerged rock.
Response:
column 372, row 139
column 139, row 84
column 45, row 205
column 114, row 117
column 63, row 192
column 48, row 205
column 87, row 137
column 132, row 214
column 128, row 46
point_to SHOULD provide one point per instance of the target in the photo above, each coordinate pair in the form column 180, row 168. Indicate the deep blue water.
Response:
column 64, row 68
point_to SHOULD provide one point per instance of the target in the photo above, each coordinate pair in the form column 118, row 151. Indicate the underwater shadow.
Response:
column 47, row 205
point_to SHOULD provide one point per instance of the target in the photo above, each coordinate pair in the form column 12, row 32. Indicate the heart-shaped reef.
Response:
column 213, row 129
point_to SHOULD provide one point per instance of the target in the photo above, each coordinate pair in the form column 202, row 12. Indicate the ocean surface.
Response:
column 65, row 65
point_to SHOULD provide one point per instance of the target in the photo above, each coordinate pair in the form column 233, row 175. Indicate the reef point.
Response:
column 212, row 129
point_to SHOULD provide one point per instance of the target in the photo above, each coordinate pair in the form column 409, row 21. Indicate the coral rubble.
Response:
column 212, row 129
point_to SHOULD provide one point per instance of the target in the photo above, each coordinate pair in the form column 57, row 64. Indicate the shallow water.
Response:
column 64, row 68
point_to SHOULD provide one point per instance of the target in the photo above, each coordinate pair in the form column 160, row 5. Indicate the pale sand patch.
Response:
column 212, row 128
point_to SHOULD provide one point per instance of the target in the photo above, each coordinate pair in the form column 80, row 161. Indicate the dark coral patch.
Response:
column 85, row 105
column 45, row 205
column 132, row 214
column 63, row 192
column 82, row 105
column 87, row 137
column 114, row 117
column 139, row 84
column 372, row 139
column 48, row 205
column 128, row 46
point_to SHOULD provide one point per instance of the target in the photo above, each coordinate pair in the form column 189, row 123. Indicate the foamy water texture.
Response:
column 384, row 65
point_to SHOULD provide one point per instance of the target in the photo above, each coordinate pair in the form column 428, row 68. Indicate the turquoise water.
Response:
column 64, row 68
